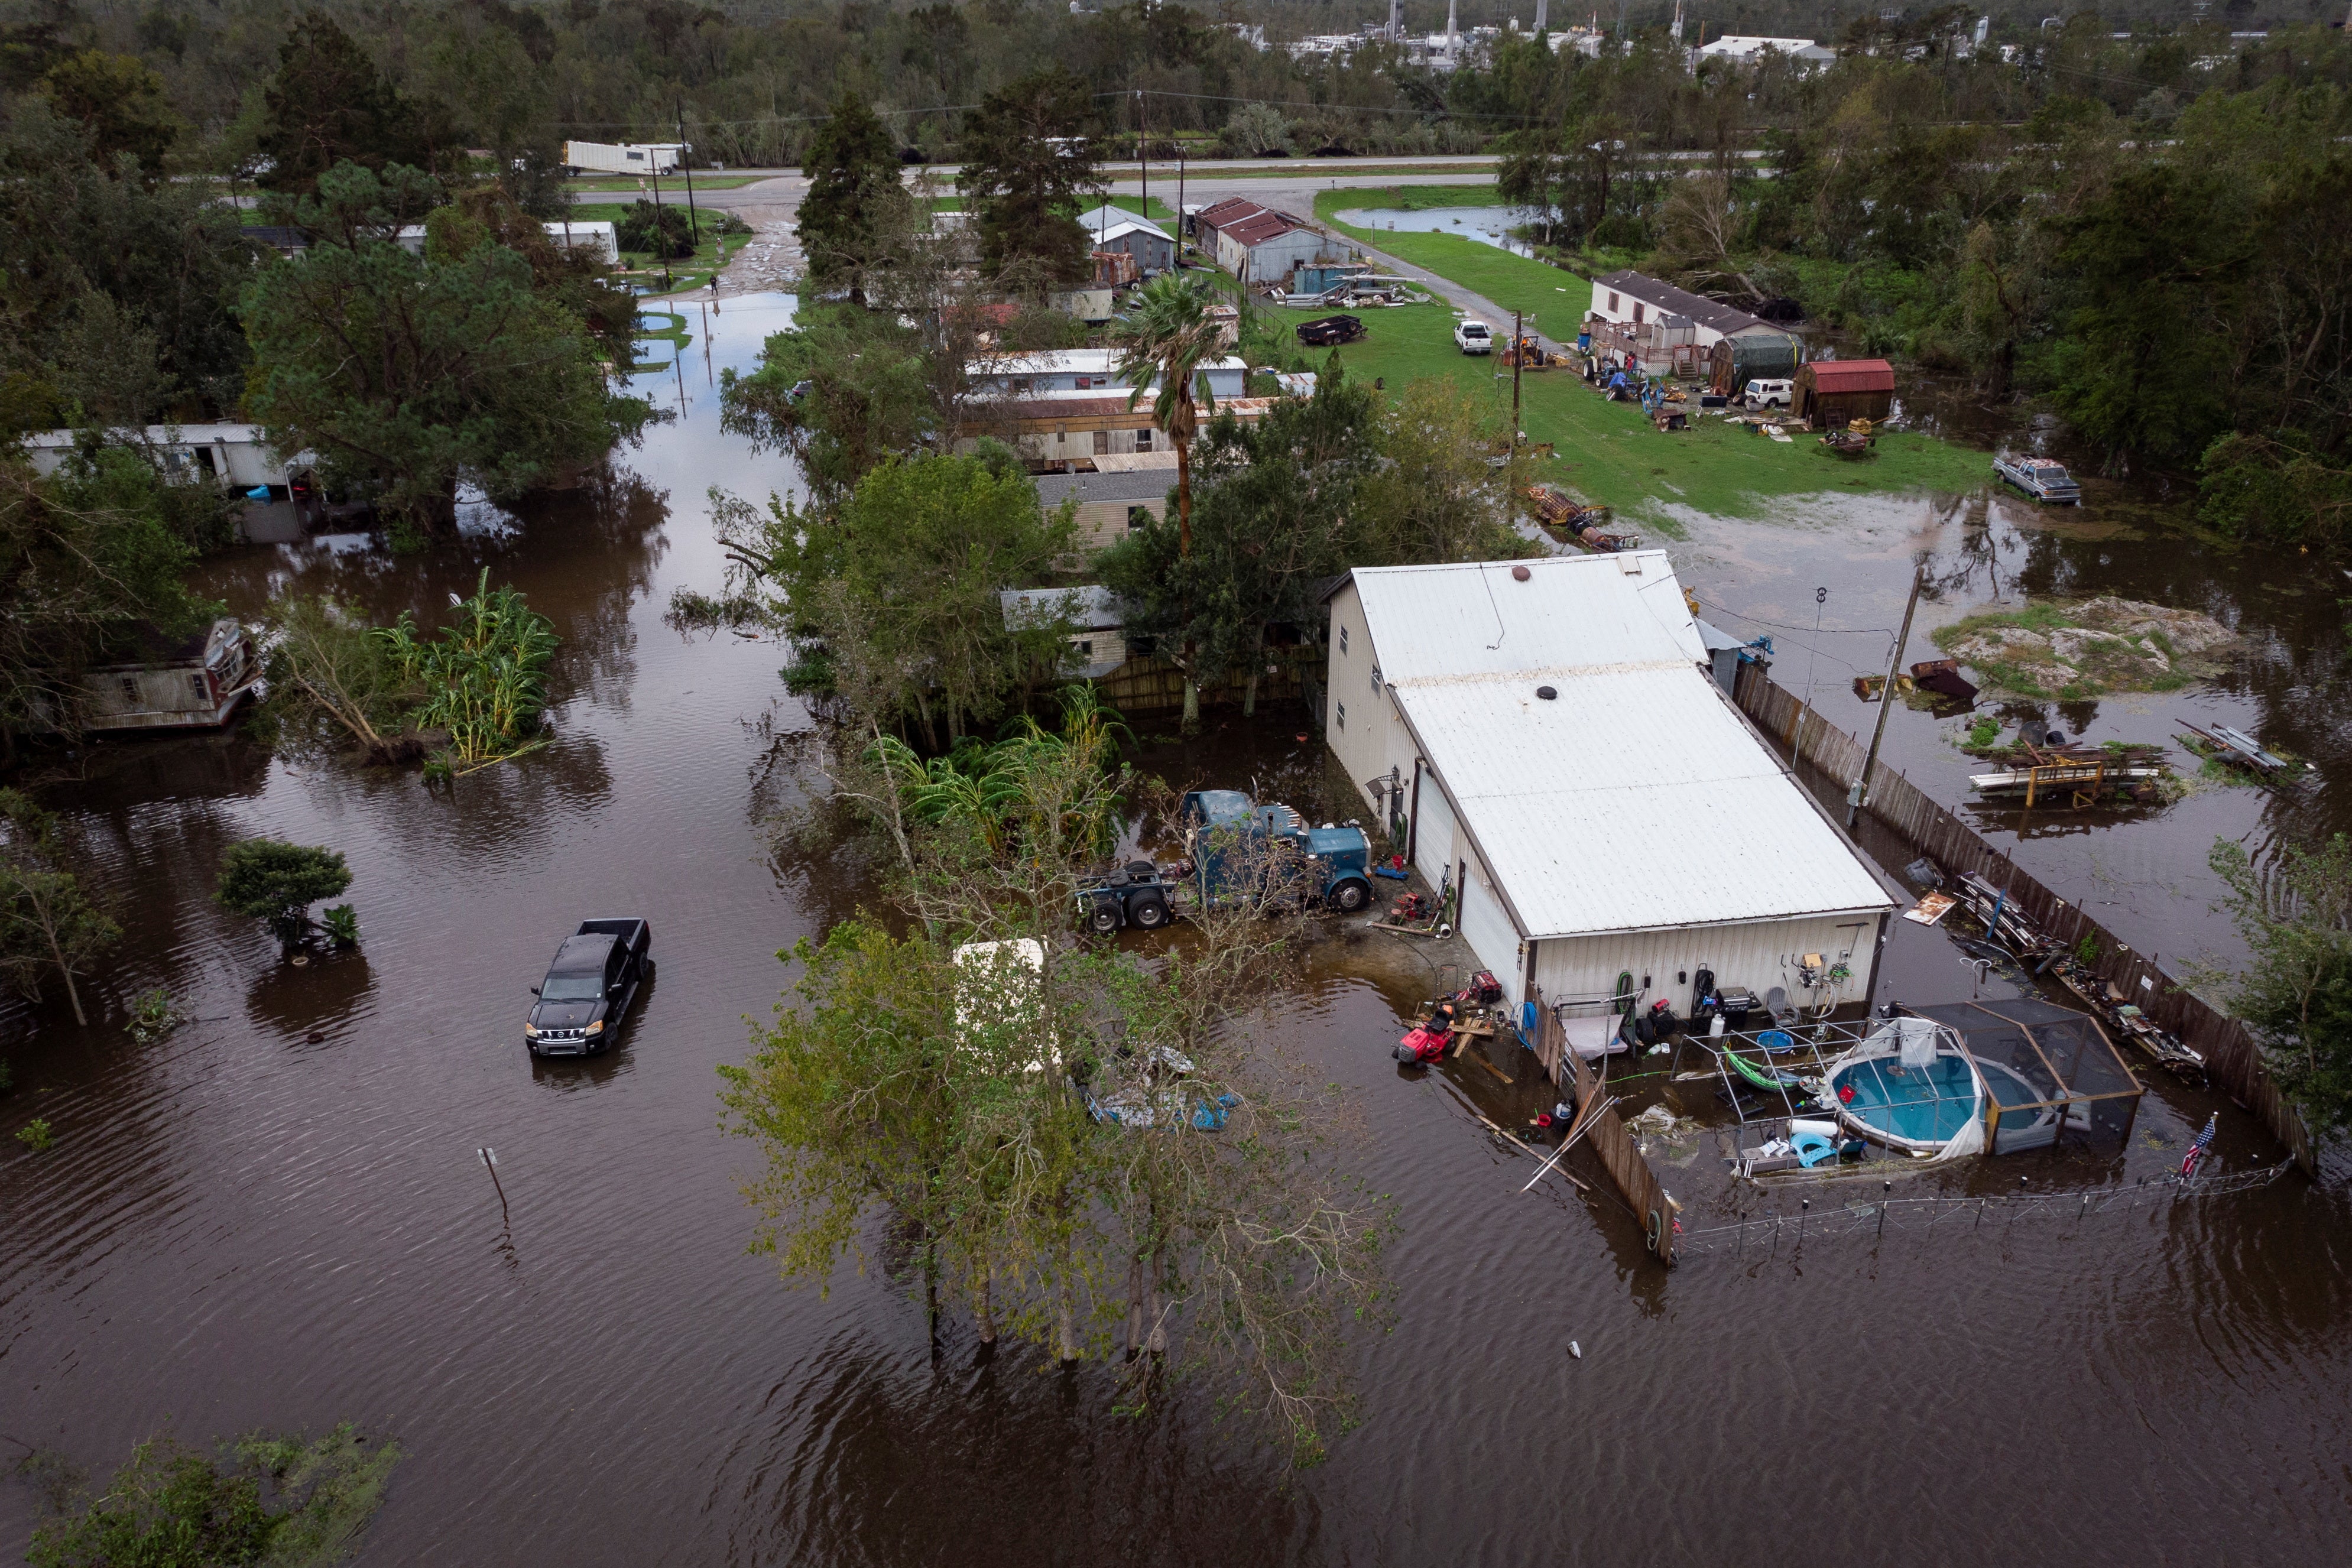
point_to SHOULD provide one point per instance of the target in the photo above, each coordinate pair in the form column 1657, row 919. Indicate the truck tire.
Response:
column 1148, row 912
column 1351, row 894
column 1103, row 917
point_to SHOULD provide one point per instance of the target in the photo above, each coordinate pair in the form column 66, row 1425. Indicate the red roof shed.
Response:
column 1830, row 394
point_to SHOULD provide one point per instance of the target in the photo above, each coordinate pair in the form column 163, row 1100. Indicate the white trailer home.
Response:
column 621, row 157
column 1545, row 736
column 232, row 454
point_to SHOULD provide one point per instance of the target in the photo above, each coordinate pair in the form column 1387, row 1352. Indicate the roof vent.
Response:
column 1520, row 574
column 1546, row 693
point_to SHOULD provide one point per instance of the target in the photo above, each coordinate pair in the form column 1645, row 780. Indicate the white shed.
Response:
column 1545, row 736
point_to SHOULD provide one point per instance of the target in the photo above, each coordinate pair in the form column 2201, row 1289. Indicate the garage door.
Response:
column 1486, row 926
column 1433, row 836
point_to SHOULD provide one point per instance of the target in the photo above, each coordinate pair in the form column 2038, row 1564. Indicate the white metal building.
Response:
column 1546, row 736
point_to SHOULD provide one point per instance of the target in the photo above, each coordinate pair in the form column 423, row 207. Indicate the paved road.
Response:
column 772, row 258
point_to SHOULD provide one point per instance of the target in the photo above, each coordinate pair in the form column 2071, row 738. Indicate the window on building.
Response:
column 1343, row 641
column 1085, row 383
column 1102, row 442
column 1637, row 314
column 1086, row 650
column 203, row 694
column 1612, row 304
column 1339, row 714
column 1020, row 383
column 1136, row 517
column 130, row 690
column 1143, row 441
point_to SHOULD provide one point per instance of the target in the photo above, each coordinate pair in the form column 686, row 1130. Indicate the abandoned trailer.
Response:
column 1547, row 738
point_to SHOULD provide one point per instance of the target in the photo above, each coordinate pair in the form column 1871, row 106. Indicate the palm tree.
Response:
column 1163, row 341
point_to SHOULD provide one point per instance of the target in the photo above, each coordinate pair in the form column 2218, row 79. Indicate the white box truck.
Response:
column 625, row 158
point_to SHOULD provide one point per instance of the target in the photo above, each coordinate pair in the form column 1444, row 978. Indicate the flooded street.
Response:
column 277, row 1218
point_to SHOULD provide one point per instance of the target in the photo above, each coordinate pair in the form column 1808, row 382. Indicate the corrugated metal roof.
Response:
column 1635, row 797
column 1254, row 231
column 1586, row 610
column 1715, row 313
column 1147, row 484
column 1852, row 375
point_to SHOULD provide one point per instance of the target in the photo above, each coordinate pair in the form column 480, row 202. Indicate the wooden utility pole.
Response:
column 661, row 240
column 1179, row 207
column 686, row 167
column 1861, row 790
column 1143, row 154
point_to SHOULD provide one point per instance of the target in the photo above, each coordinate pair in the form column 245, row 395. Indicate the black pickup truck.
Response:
column 590, row 988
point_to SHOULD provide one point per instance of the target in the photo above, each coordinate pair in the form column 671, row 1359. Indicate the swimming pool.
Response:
column 1922, row 1108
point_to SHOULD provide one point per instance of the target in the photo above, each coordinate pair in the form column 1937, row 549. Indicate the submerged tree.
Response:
column 406, row 374
column 326, row 663
column 273, row 881
column 1097, row 1153
column 2295, row 992
column 48, row 926
column 898, row 593
column 287, row 1501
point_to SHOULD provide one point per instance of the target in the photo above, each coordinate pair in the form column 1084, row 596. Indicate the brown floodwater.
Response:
column 276, row 1217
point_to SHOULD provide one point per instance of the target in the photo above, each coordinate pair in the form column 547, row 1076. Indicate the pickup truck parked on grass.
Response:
column 1474, row 338
column 590, row 988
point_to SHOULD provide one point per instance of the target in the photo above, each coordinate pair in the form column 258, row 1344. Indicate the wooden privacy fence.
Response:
column 2233, row 1059
column 1152, row 684
column 1608, row 1138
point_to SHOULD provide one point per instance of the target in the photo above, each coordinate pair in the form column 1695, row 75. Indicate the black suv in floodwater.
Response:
column 590, row 987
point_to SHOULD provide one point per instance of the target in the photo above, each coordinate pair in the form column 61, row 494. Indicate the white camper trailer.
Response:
column 625, row 158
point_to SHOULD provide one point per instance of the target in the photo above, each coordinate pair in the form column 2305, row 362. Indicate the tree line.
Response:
column 2149, row 236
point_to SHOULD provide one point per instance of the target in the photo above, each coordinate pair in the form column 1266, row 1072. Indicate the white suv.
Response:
column 1474, row 338
column 1770, row 394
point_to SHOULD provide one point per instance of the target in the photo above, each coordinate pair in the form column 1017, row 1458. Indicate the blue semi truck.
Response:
column 1236, row 851
column 1239, row 849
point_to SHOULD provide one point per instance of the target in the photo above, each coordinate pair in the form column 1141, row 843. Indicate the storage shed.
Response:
column 1831, row 392
column 1756, row 356
column 1547, row 738
column 1099, row 641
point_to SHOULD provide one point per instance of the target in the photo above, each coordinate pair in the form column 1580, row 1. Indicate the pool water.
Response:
column 1924, row 1106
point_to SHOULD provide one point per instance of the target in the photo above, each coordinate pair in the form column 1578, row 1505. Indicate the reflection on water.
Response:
column 1488, row 225
column 276, row 1217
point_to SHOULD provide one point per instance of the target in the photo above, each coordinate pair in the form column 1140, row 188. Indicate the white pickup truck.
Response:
column 1769, row 394
column 1474, row 338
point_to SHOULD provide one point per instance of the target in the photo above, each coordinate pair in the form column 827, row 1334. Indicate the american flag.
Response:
column 2198, row 1145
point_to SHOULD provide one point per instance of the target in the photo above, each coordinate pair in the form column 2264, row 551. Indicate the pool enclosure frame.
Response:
column 2061, row 1056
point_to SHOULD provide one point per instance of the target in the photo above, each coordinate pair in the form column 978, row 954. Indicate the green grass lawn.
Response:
column 1609, row 452
column 1409, row 198
column 685, row 272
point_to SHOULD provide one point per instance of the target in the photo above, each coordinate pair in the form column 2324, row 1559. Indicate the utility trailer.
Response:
column 623, row 157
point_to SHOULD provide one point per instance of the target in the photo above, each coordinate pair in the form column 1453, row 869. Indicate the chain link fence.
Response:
column 1826, row 1216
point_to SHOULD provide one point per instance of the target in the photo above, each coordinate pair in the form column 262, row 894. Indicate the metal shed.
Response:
column 1759, row 356
column 1831, row 392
